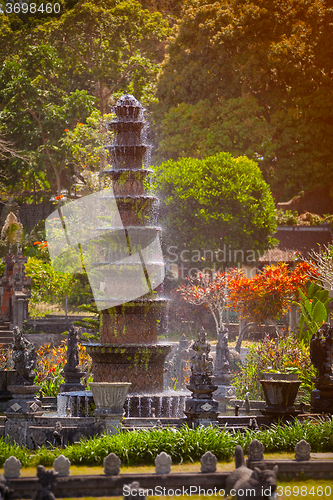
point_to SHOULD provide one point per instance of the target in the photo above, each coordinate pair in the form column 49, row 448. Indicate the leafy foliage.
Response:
column 216, row 201
column 272, row 57
column 207, row 289
column 283, row 354
column 184, row 445
column 268, row 295
column 68, row 66
column 314, row 311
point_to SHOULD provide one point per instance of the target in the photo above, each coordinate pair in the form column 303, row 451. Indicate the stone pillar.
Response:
column 21, row 412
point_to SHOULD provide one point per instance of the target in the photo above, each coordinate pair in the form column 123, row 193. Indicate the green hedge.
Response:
column 184, row 445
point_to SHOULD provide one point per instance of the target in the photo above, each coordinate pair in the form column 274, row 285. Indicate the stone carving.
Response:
column 255, row 450
column 133, row 491
column 58, row 435
column 208, row 462
column 201, row 408
column 62, row 465
column 246, row 403
column 202, row 361
column 71, row 371
column 111, row 465
column 12, row 468
column 46, row 480
column 177, row 364
column 321, row 353
column 222, row 365
column 72, row 349
column 24, row 358
column 253, row 424
column 163, row 463
column 302, row 450
column 5, row 492
column 38, row 437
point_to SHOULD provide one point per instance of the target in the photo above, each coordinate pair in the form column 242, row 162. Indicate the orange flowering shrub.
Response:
column 268, row 295
column 50, row 363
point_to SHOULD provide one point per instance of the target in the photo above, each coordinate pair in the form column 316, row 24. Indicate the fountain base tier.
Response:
column 142, row 365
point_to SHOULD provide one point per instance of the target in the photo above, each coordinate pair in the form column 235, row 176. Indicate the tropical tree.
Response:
column 274, row 55
column 268, row 294
column 209, row 290
column 110, row 46
column 219, row 203
column 37, row 111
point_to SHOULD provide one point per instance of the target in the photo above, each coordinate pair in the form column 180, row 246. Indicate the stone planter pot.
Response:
column 280, row 396
column 279, row 376
column 109, row 397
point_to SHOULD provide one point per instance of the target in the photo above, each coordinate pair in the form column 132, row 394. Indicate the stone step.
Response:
column 5, row 342
column 6, row 334
column 6, row 337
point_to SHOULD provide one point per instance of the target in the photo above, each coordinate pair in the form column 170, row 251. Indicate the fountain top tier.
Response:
column 127, row 149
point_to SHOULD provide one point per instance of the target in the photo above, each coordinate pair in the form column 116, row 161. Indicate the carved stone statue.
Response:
column 222, row 364
column 321, row 353
column 71, row 371
column 202, row 361
column 46, row 480
column 72, row 349
column 24, row 358
column 201, row 408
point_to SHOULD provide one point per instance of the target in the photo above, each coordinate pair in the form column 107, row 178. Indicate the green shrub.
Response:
column 283, row 354
column 184, row 445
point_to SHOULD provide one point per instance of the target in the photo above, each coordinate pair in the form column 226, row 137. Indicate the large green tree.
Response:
column 35, row 114
column 69, row 65
column 110, row 46
column 218, row 204
column 275, row 54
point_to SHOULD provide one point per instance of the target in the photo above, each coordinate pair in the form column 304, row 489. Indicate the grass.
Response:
column 183, row 445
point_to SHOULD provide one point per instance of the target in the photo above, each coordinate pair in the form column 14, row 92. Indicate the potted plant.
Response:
column 280, row 390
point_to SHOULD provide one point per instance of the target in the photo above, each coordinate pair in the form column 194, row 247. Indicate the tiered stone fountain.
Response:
column 129, row 351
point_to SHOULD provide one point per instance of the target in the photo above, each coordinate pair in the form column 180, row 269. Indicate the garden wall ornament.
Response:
column 12, row 468
column 62, row 466
column 255, row 450
column 302, row 450
column 111, row 465
column 208, row 462
column 163, row 463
